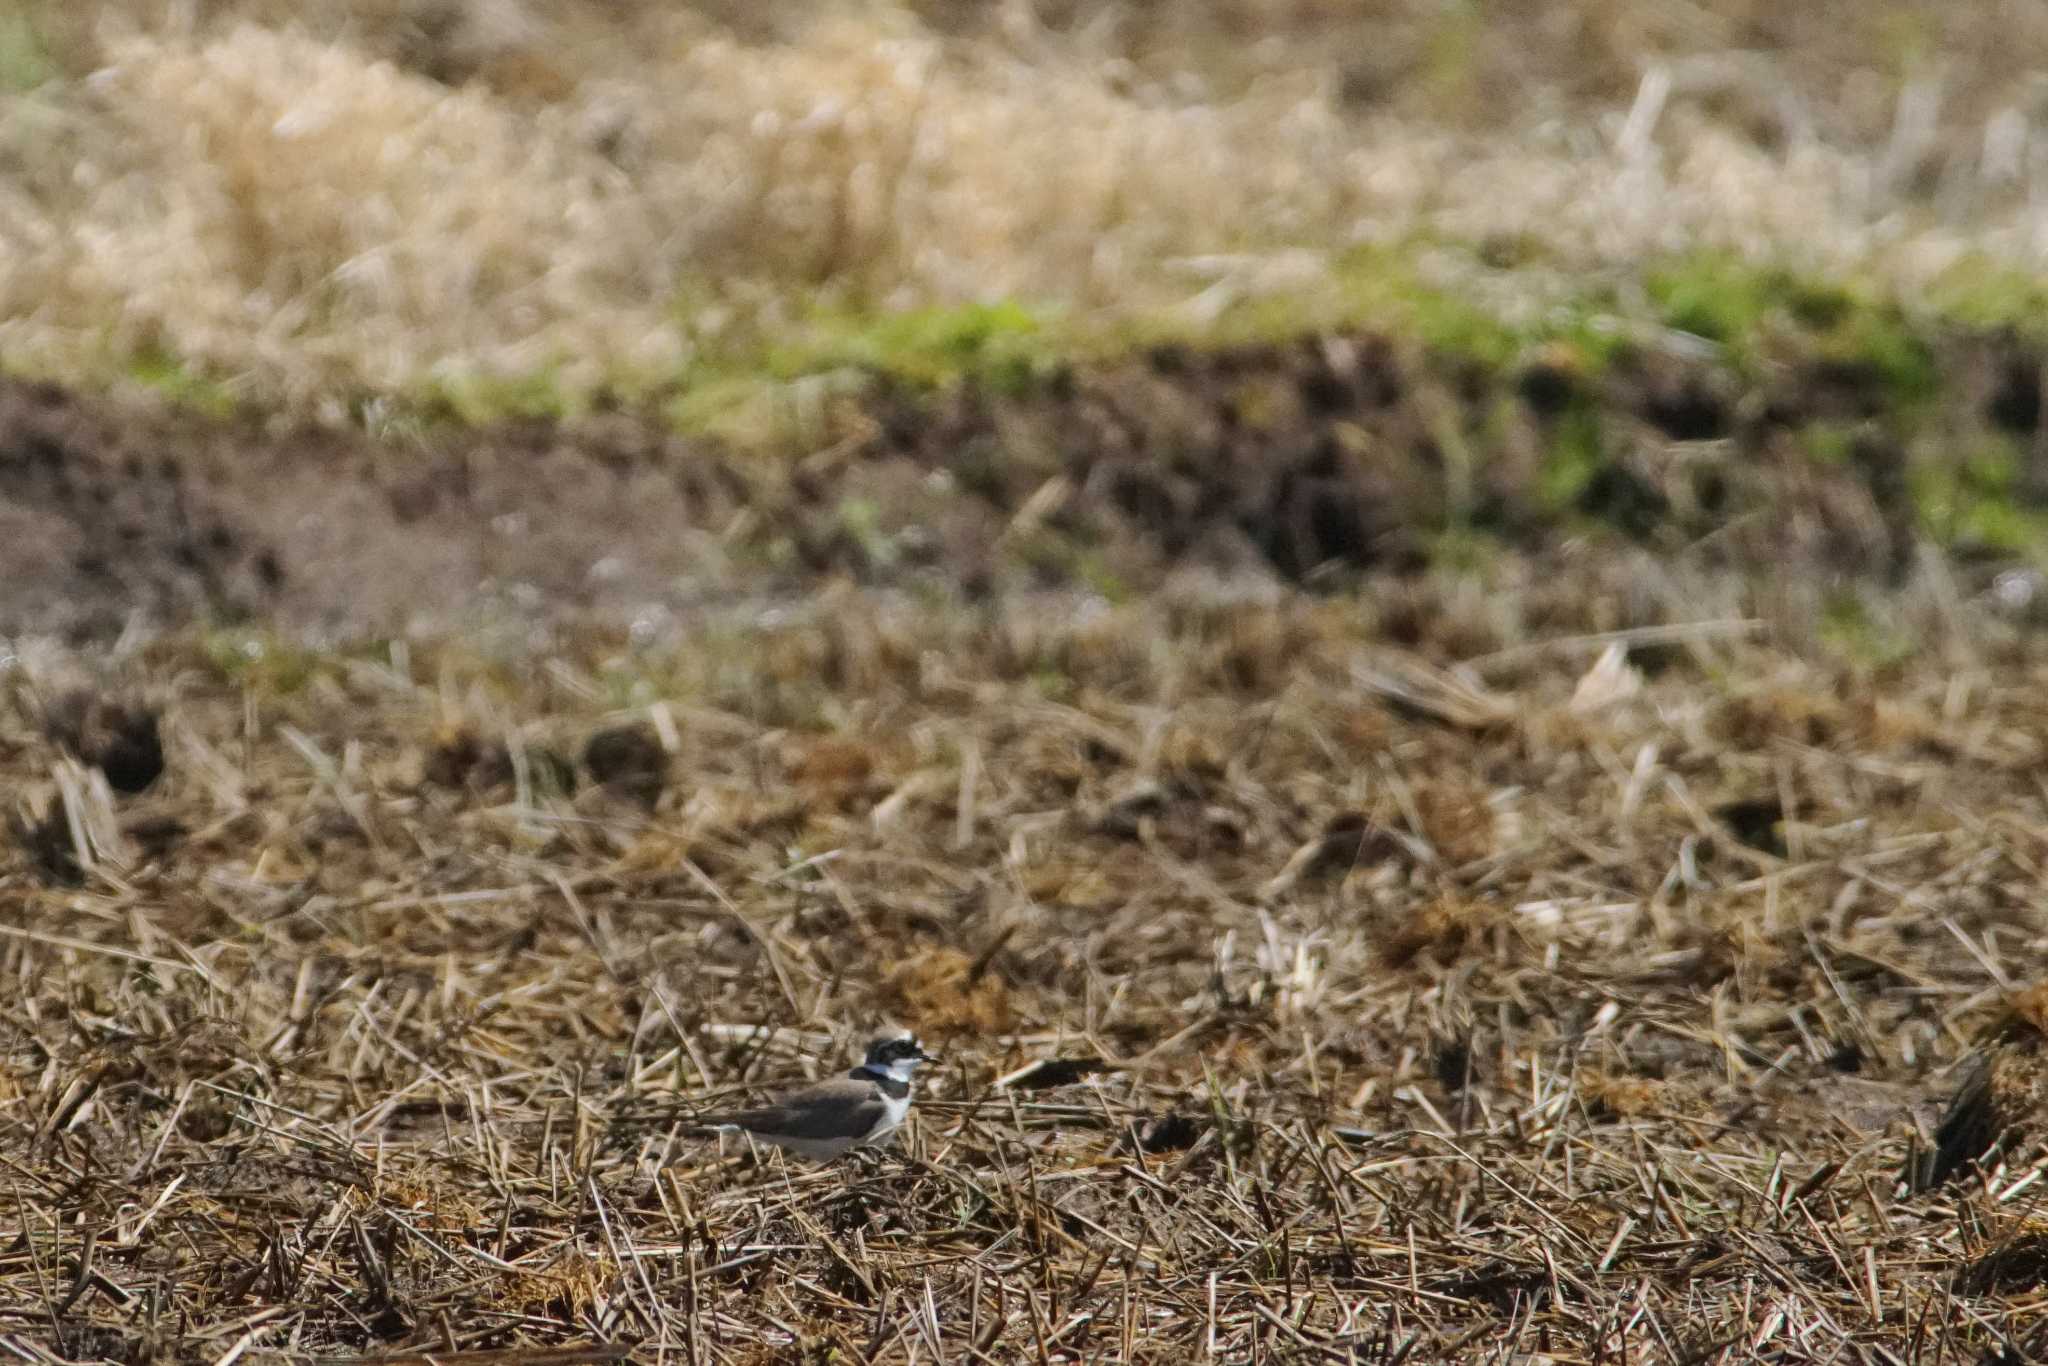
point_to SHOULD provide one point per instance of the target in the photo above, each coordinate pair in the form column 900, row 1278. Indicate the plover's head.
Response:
column 897, row 1053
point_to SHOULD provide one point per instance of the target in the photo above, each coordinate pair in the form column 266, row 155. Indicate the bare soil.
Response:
column 1304, row 462
column 115, row 508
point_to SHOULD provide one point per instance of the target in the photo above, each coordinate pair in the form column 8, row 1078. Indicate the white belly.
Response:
column 816, row 1149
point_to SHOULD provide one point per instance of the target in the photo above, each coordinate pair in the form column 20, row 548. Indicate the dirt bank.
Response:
column 1304, row 461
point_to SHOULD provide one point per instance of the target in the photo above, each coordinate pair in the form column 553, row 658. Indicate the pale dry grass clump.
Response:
column 267, row 205
column 367, row 196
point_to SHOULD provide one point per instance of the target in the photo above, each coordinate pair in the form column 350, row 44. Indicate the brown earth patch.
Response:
column 1308, row 461
column 114, row 507
column 1312, row 459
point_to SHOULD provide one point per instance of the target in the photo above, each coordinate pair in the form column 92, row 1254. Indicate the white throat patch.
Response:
column 902, row 1069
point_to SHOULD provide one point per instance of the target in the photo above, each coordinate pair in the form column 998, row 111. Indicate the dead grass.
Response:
column 306, row 202
column 1569, row 959
column 373, row 1056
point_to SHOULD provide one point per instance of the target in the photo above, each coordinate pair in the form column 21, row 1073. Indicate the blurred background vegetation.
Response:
column 519, row 204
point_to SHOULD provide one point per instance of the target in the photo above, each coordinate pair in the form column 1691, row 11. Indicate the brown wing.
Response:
column 831, row 1109
column 1966, row 1133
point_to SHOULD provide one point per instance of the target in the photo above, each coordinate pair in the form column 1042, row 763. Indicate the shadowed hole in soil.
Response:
column 1756, row 822
column 630, row 760
column 119, row 738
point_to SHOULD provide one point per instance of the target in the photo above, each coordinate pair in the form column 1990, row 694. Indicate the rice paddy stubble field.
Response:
column 1454, row 779
column 1558, row 1006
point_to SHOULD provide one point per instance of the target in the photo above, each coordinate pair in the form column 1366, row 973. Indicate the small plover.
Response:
column 834, row 1117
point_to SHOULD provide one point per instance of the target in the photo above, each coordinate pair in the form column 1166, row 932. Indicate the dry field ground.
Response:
column 1586, row 1003
column 1410, row 632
